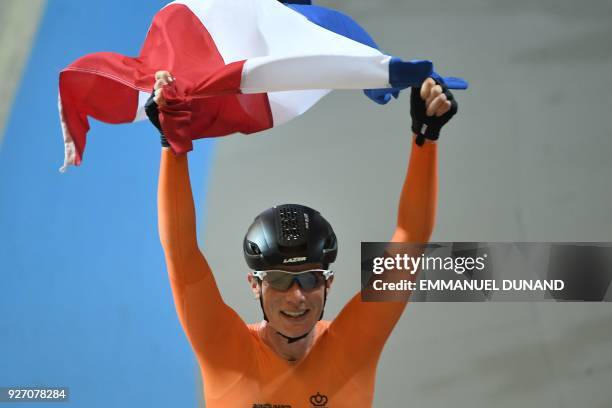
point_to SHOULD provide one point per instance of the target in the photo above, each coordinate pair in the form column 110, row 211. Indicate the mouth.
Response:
column 295, row 315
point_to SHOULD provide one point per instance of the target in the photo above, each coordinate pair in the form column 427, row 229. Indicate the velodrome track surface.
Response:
column 84, row 296
column 84, row 289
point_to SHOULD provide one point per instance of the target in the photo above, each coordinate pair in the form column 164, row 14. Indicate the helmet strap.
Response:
column 324, row 302
column 293, row 339
column 262, row 308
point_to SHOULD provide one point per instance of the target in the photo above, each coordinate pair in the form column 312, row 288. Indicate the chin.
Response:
column 294, row 332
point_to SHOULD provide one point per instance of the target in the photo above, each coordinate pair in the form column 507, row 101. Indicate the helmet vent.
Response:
column 330, row 242
column 291, row 229
column 253, row 249
column 289, row 232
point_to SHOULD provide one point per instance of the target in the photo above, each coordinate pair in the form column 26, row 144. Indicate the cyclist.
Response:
column 291, row 358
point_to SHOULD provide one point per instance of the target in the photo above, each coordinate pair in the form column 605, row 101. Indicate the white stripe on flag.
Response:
column 232, row 24
column 290, row 104
column 286, row 52
column 315, row 72
column 142, row 99
column 69, row 148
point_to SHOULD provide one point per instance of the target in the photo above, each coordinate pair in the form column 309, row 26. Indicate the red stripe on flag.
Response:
column 101, row 97
column 206, row 99
column 213, row 109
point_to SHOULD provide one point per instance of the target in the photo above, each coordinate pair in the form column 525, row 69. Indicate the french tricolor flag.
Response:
column 239, row 66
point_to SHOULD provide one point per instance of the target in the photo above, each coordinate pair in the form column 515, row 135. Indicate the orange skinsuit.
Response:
column 238, row 368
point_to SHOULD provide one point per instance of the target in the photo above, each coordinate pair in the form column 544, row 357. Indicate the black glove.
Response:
column 152, row 112
column 428, row 127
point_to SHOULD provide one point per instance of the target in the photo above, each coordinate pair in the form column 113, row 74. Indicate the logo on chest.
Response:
column 318, row 400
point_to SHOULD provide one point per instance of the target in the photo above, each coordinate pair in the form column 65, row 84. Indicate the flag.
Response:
column 239, row 66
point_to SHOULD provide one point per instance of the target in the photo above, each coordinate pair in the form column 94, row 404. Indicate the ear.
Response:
column 329, row 282
column 254, row 285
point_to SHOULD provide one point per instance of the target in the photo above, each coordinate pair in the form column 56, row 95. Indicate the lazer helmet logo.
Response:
column 318, row 400
column 294, row 259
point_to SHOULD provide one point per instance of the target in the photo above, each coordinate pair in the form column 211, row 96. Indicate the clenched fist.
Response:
column 161, row 78
column 431, row 106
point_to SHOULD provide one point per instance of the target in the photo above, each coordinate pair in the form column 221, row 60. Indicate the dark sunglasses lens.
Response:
column 279, row 280
column 309, row 280
column 283, row 281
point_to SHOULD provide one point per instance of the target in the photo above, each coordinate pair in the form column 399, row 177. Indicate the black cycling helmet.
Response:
column 289, row 234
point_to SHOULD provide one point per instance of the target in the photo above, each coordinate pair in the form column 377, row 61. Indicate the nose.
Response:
column 295, row 293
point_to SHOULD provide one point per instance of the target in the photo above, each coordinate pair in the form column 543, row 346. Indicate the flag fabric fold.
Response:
column 240, row 66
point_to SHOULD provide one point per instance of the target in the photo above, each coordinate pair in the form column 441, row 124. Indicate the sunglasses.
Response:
column 283, row 280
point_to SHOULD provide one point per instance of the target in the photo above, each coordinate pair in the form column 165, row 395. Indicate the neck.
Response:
column 288, row 351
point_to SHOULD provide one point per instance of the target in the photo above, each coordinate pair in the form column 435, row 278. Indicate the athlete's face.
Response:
column 295, row 311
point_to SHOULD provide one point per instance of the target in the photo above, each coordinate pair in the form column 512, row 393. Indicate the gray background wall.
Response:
column 526, row 159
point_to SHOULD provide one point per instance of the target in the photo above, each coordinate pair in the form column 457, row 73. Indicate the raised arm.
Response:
column 211, row 326
column 177, row 225
column 368, row 324
column 417, row 203
column 431, row 107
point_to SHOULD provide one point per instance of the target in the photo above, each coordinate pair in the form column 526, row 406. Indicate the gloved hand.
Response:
column 151, row 106
column 431, row 107
column 152, row 111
